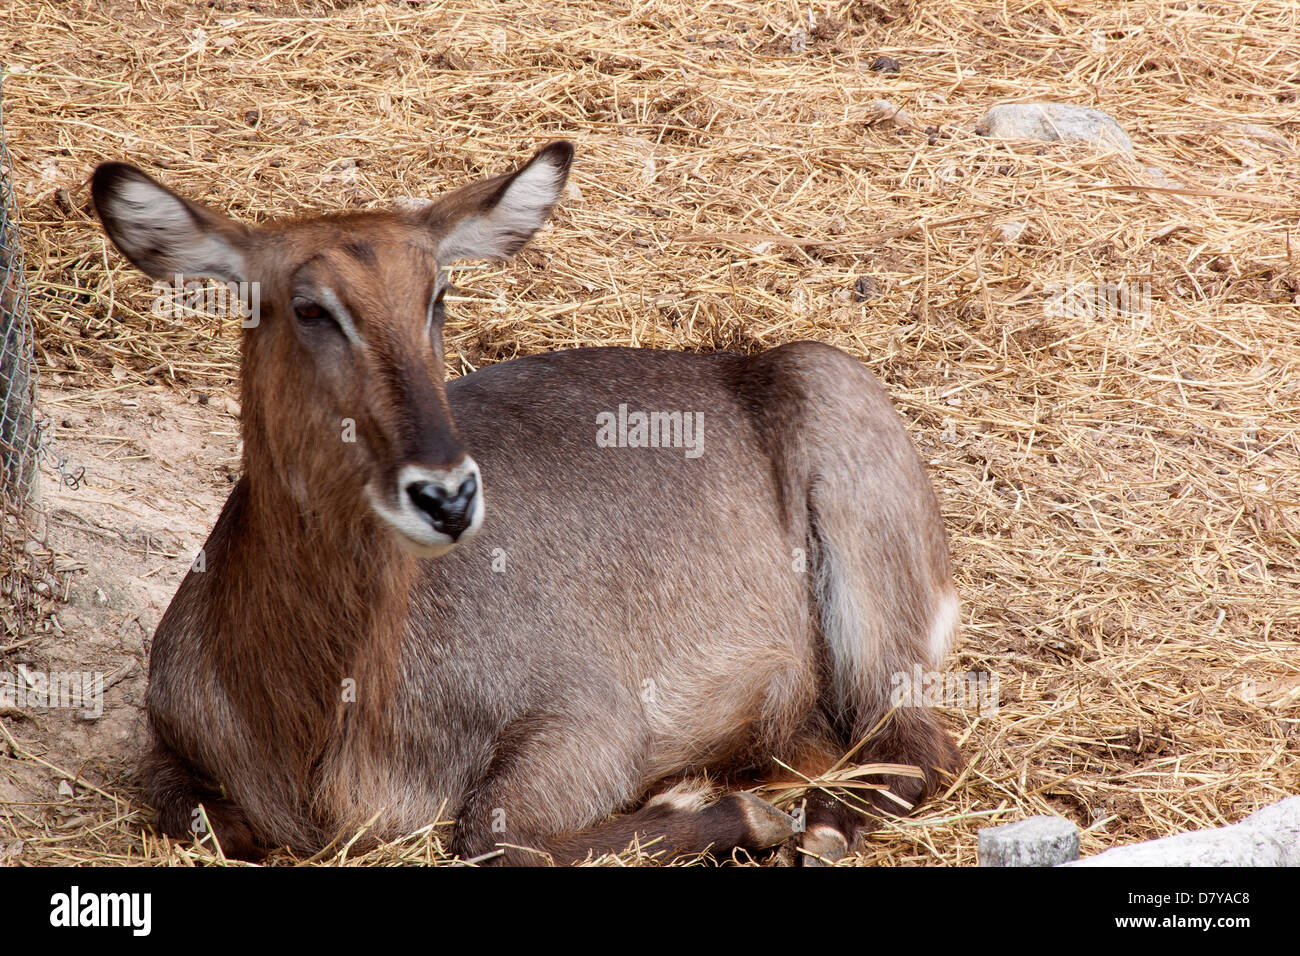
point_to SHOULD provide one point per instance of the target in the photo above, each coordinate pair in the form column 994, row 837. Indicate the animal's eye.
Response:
column 310, row 313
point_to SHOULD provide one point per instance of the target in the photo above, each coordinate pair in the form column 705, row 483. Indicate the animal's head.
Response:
column 343, row 377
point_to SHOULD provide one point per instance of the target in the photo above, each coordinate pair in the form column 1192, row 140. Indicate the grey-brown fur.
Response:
column 624, row 618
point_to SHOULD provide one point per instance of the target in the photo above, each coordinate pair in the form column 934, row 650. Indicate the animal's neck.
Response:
column 312, row 603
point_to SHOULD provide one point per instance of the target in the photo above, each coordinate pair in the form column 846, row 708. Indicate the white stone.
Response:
column 1262, row 136
column 1269, row 837
column 1053, row 121
column 885, row 113
column 1012, row 231
column 1036, row 841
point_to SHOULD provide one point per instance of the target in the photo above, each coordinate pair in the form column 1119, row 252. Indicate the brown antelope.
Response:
column 477, row 610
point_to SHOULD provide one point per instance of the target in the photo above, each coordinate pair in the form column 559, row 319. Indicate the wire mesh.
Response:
column 19, row 436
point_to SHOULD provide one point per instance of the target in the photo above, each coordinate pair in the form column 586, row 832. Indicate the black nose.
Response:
column 449, row 511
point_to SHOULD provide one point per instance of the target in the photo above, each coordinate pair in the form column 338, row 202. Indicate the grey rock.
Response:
column 1268, row 837
column 1258, row 135
column 885, row 113
column 1012, row 231
column 1053, row 121
column 1037, row 841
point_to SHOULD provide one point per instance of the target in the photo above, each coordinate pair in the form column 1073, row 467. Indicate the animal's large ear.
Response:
column 493, row 218
column 163, row 234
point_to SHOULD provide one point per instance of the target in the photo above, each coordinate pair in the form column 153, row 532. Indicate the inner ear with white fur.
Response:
column 161, row 233
column 494, row 218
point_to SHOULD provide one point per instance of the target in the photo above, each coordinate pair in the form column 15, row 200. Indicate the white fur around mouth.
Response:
column 413, row 527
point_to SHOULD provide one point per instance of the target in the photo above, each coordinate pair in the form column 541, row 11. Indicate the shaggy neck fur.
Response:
column 309, row 605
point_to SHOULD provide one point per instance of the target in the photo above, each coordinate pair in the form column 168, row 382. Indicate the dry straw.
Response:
column 1120, row 484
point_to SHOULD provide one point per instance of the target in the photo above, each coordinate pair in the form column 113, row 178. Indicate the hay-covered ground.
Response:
column 1120, row 485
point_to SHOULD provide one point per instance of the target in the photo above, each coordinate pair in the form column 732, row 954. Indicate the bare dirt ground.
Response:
column 151, row 472
column 1120, row 485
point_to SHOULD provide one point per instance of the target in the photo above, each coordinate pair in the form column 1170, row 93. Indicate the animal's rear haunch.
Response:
column 541, row 599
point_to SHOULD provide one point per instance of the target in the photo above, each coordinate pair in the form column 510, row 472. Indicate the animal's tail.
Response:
column 878, row 554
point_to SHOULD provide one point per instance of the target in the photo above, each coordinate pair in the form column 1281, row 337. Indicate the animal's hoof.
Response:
column 822, row 845
column 766, row 825
column 232, row 832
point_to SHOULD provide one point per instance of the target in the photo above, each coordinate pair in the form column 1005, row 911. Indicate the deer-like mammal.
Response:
column 369, row 639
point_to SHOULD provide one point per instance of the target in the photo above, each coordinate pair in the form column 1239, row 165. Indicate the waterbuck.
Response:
column 436, row 600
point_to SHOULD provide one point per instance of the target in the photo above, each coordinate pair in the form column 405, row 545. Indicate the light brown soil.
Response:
column 156, row 471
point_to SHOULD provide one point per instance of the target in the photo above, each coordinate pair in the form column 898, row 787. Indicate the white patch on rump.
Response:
column 943, row 628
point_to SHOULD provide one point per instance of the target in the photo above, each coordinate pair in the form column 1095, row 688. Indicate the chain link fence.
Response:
column 19, row 436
